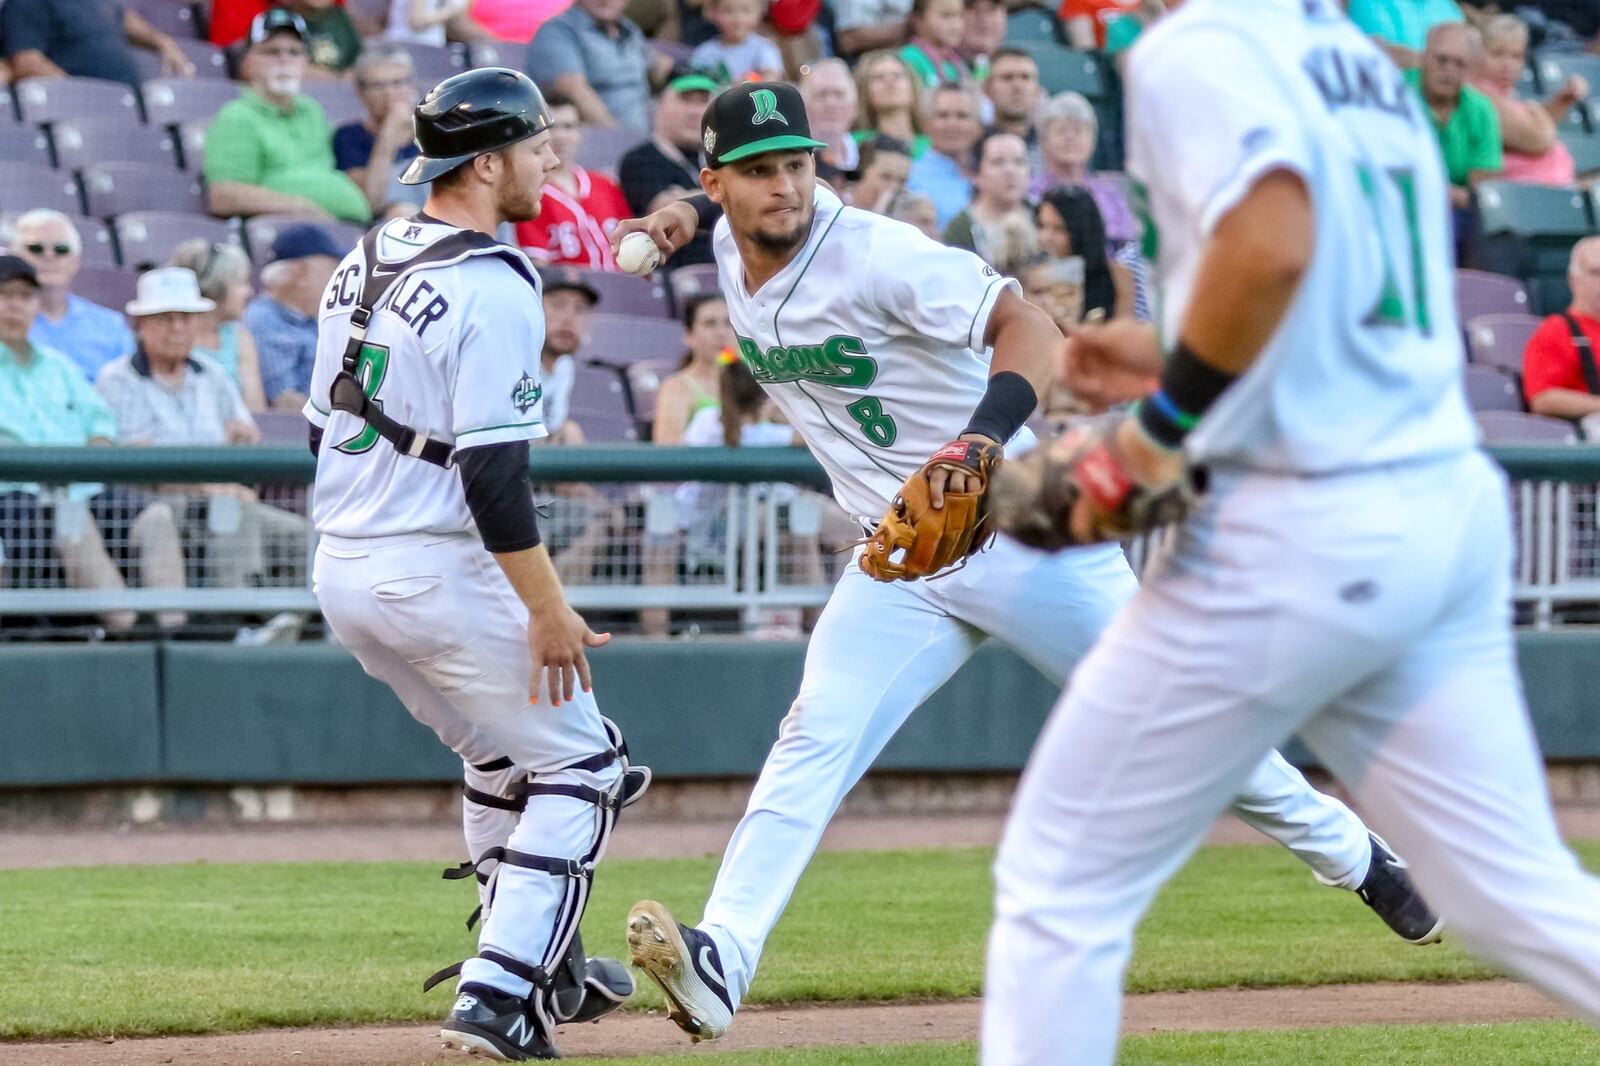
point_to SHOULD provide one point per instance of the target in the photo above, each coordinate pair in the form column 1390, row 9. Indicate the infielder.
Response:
column 872, row 339
column 430, row 570
column 1346, row 577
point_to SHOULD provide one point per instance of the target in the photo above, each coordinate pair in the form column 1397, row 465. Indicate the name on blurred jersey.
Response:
column 1344, row 79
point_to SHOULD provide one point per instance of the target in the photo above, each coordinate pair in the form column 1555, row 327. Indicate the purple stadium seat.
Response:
column 108, row 286
column 170, row 101
column 624, row 294
column 498, row 54
column 1498, row 340
column 81, row 141
column 281, row 427
column 434, row 63
column 210, row 62
column 618, row 340
column 1514, row 427
column 644, row 384
column 172, row 17
column 1479, row 292
column 25, row 144
column 192, row 144
column 693, row 280
column 112, row 189
column 147, row 238
column 42, row 100
column 27, row 185
column 262, row 230
column 99, row 249
column 1491, row 389
column 338, row 99
column 602, row 147
column 600, row 405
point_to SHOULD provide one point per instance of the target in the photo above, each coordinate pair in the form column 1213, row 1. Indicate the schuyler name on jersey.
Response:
column 416, row 301
column 841, row 361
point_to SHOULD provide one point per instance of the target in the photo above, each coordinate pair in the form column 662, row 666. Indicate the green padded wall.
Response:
column 79, row 714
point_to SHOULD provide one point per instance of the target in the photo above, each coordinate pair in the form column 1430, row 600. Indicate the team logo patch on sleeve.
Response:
column 525, row 393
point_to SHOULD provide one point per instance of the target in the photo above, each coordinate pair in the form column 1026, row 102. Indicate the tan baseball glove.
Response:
column 915, row 540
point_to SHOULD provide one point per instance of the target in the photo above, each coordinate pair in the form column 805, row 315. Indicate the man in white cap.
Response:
column 167, row 394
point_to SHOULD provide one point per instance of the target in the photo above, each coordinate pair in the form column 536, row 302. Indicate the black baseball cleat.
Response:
column 1391, row 895
column 488, row 1022
column 607, row 984
column 684, row 962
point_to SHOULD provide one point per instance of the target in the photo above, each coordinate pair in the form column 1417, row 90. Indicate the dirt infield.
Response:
column 830, row 1026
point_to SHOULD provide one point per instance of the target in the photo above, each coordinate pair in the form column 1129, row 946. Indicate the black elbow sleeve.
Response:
column 495, row 478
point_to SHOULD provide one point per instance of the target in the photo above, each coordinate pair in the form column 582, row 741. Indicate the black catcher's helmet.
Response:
column 472, row 113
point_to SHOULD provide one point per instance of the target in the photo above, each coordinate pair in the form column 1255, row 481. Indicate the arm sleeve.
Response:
column 495, row 480
column 1207, row 132
column 552, row 53
column 1550, row 360
column 497, row 394
column 233, row 152
column 25, row 26
column 933, row 290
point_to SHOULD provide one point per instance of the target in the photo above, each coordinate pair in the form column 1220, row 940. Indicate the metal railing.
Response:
column 630, row 526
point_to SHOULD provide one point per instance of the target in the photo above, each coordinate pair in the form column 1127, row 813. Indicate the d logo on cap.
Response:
column 766, row 102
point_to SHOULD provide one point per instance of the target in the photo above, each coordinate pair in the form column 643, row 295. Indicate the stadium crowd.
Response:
column 181, row 179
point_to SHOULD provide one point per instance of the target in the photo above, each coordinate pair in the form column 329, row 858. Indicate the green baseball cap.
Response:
column 694, row 82
column 753, row 118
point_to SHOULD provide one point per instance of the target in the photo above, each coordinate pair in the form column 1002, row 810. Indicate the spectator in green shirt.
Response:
column 271, row 150
column 1401, row 26
column 1463, row 118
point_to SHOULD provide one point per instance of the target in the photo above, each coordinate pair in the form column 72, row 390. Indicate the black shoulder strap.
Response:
column 347, row 393
column 1586, row 362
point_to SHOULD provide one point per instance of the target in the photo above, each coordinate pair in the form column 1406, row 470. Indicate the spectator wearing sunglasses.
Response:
column 88, row 334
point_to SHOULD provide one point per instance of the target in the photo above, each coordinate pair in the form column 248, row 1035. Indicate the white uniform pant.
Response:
column 435, row 619
column 879, row 650
column 1368, row 612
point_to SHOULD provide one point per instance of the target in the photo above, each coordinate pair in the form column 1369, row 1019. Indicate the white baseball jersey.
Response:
column 1366, row 368
column 451, row 351
column 870, row 340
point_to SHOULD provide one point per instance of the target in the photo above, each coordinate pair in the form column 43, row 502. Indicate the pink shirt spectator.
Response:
column 516, row 20
column 1554, row 167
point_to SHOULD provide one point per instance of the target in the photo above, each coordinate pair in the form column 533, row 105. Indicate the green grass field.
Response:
column 203, row 948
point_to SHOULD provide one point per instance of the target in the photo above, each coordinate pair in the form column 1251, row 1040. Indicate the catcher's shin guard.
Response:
column 566, row 985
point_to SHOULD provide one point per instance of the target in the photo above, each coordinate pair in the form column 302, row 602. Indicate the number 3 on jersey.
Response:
column 875, row 423
column 371, row 366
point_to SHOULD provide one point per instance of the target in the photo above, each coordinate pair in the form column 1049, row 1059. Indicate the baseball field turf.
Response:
column 149, row 950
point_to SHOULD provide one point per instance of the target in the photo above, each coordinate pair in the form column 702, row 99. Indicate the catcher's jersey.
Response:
column 452, row 351
column 1366, row 368
column 870, row 340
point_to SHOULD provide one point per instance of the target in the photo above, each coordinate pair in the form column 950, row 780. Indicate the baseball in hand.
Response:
column 638, row 254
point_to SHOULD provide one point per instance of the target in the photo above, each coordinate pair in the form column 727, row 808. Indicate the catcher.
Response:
column 879, row 343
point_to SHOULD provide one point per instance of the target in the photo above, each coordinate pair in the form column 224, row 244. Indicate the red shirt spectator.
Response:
column 230, row 19
column 1084, row 18
column 573, row 227
column 579, row 208
column 1552, row 374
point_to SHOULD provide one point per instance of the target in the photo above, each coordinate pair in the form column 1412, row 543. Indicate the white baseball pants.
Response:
column 435, row 619
column 1368, row 612
column 879, row 650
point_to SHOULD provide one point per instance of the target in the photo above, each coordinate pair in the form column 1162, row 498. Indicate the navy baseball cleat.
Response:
column 488, row 1022
column 684, row 962
column 1389, row 892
